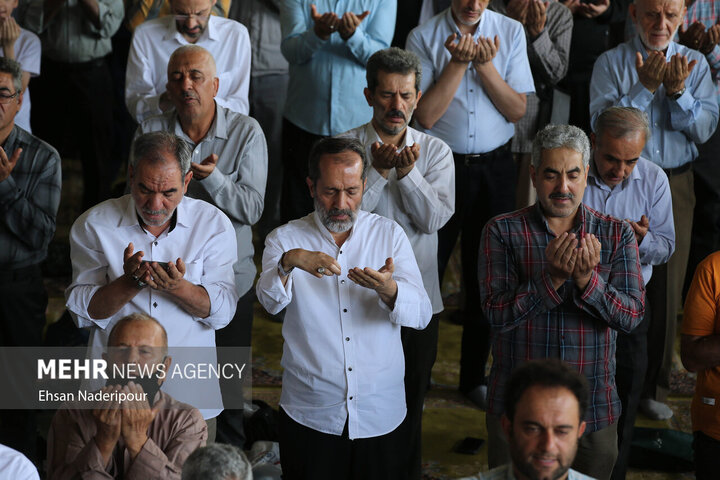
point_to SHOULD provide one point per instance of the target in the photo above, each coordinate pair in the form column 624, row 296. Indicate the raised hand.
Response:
column 651, row 72
column 561, row 256
column 166, row 280
column 406, row 159
column 325, row 24
column 518, row 10
column 8, row 164
column 693, row 36
column 592, row 10
column 205, row 168
column 588, row 256
column 384, row 156
column 486, row 50
column 380, row 280
column 108, row 419
column 464, row 50
column 640, row 228
column 318, row 264
column 676, row 72
column 349, row 23
column 136, row 418
column 536, row 17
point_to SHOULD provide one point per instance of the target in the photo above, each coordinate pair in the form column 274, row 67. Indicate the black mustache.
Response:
column 569, row 196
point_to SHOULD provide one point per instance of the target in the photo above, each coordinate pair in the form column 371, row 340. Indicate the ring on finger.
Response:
column 321, row 270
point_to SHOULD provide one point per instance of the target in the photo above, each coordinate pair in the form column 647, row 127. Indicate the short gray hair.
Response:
column 137, row 317
column 192, row 48
column 622, row 122
column 148, row 146
column 393, row 60
column 217, row 461
column 560, row 136
column 8, row 65
column 334, row 145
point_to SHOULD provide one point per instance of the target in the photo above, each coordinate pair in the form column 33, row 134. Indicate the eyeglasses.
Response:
column 185, row 18
column 5, row 98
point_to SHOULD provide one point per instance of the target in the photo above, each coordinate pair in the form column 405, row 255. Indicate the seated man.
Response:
column 129, row 440
column 217, row 461
column 190, row 23
column 155, row 251
column 545, row 403
column 342, row 396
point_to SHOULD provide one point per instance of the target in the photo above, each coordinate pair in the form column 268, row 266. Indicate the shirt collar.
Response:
column 10, row 140
column 218, row 128
column 454, row 28
column 324, row 232
column 637, row 43
column 578, row 223
column 129, row 217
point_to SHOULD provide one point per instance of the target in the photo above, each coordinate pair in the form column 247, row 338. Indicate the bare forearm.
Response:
column 700, row 353
column 110, row 298
column 192, row 298
column 92, row 11
column 435, row 102
column 509, row 103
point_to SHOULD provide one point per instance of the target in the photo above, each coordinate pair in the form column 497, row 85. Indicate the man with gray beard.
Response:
column 348, row 280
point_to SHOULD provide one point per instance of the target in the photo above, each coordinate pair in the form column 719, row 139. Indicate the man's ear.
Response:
column 166, row 361
column 311, row 186
column 419, row 94
column 633, row 13
column 368, row 96
column 186, row 181
column 581, row 430
column 506, row 426
column 532, row 174
column 216, row 84
column 593, row 139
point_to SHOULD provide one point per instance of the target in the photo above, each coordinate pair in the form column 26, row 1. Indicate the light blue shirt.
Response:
column 645, row 192
column 472, row 124
column 677, row 125
column 327, row 77
column 505, row 472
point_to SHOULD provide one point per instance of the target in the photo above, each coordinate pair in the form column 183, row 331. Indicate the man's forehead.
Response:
column 138, row 333
column 190, row 61
column 668, row 5
column 191, row 6
column 6, row 80
column 561, row 159
column 539, row 399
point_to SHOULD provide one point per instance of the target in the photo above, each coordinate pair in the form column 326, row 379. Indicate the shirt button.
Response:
column 344, row 310
column 350, row 398
column 472, row 113
column 347, row 339
column 342, row 281
column 470, row 136
column 341, row 251
column 155, row 304
column 156, row 244
column 349, row 369
column 472, row 90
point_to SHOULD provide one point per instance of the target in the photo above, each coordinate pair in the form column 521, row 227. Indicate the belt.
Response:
column 476, row 158
column 670, row 172
column 12, row 274
column 76, row 66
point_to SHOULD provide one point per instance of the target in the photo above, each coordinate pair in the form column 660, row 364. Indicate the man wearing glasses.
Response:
column 190, row 23
column 29, row 199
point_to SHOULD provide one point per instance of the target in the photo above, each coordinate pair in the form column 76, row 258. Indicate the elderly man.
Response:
column 327, row 45
column 545, row 406
column 348, row 280
column 132, row 439
column 155, row 40
column 229, row 166
column 29, row 195
column 625, row 185
column 700, row 350
column 558, row 281
column 155, row 251
column 673, row 86
column 78, row 121
column 475, row 77
column 412, row 182
column 217, row 461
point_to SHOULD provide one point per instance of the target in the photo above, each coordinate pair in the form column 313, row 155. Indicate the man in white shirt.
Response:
column 154, row 41
column 475, row 76
column 194, row 294
column 348, row 281
column 412, row 182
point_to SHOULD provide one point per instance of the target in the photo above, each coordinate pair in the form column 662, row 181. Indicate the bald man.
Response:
column 131, row 439
column 229, row 165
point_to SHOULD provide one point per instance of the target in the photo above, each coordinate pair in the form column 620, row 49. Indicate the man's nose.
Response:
column 341, row 201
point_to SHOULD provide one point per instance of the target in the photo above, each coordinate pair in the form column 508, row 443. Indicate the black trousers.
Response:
column 420, row 348
column 73, row 112
column 23, row 301
column 484, row 188
column 630, row 366
column 306, row 454
column 655, row 293
column 707, row 452
column 295, row 200
column 236, row 334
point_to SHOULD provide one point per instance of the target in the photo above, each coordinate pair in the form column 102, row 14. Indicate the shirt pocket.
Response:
column 193, row 272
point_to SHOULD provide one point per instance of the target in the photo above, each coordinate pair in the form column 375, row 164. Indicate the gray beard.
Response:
column 332, row 225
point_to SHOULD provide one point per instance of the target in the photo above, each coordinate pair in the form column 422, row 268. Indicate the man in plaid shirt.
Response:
column 557, row 279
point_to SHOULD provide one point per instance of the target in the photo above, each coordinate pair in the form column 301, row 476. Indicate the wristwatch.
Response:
column 678, row 94
column 281, row 270
column 138, row 283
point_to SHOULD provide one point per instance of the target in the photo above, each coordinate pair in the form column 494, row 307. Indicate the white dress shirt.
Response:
column 342, row 356
column 421, row 202
column 15, row 465
column 471, row 123
column 153, row 43
column 203, row 237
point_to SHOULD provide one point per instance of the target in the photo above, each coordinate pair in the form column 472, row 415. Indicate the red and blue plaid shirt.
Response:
column 531, row 320
column 707, row 12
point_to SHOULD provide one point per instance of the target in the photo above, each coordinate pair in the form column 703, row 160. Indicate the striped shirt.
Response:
column 531, row 320
column 29, row 200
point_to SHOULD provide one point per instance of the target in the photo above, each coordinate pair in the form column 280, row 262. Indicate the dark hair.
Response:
column 148, row 146
column 334, row 145
column 545, row 373
column 8, row 65
column 622, row 122
column 393, row 60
